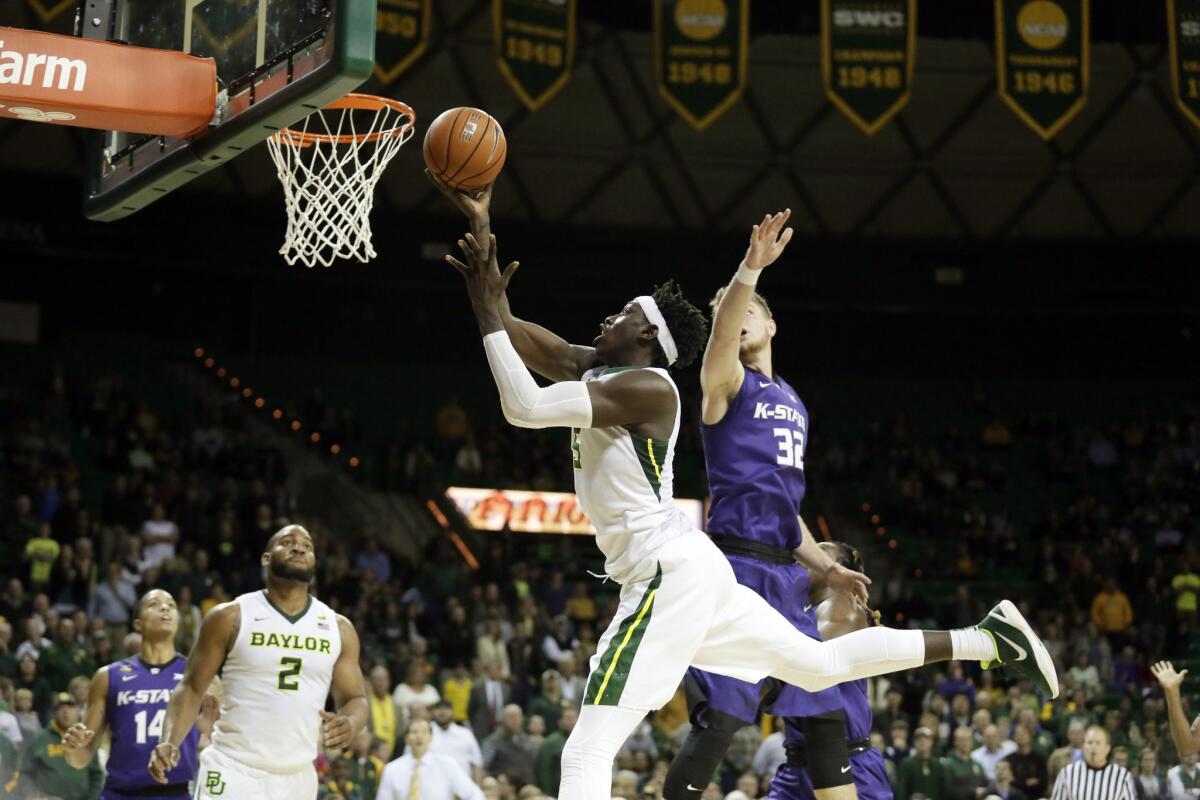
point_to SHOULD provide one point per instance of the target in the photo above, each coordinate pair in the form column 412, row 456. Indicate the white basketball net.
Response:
column 329, row 168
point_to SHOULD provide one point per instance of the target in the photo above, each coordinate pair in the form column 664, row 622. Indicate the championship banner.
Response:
column 1183, row 21
column 401, row 35
column 1042, row 60
column 700, row 52
column 537, row 512
column 535, row 46
column 868, row 49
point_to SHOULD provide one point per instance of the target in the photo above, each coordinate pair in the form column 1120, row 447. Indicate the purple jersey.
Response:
column 137, row 705
column 755, row 460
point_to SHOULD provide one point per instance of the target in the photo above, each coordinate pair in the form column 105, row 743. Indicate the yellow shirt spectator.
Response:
column 1111, row 610
column 457, row 692
column 1186, row 584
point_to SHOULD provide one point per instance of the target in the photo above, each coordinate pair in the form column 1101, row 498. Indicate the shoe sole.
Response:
column 1044, row 662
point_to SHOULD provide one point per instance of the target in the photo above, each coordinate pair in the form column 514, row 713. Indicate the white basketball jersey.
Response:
column 625, row 485
column 275, row 682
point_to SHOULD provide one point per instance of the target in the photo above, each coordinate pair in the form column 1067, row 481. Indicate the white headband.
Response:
column 655, row 317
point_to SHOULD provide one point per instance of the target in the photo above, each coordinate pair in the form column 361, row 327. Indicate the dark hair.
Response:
column 688, row 327
column 849, row 557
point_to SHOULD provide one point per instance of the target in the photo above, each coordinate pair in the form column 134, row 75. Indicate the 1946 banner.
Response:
column 700, row 49
column 535, row 46
column 1183, row 19
column 1042, row 60
column 868, row 49
column 401, row 36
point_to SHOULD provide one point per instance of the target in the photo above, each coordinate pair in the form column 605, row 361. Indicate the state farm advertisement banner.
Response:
column 536, row 512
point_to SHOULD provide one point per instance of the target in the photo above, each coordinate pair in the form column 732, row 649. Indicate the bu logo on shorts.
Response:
column 213, row 783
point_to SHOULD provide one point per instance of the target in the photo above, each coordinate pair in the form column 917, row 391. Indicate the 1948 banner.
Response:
column 1183, row 19
column 1042, row 60
column 867, row 54
column 535, row 46
column 700, row 49
column 401, row 36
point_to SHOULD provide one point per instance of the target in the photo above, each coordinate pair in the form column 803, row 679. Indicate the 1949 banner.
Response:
column 700, row 49
column 535, row 46
column 867, row 54
column 1042, row 60
column 401, row 36
column 538, row 512
column 1183, row 19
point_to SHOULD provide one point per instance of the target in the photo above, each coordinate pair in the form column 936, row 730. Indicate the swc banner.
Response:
column 1042, row 60
column 401, row 36
column 867, row 54
column 537, row 512
column 700, row 50
column 1183, row 21
column 535, row 46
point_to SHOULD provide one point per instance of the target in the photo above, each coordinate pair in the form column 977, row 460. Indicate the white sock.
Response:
column 971, row 644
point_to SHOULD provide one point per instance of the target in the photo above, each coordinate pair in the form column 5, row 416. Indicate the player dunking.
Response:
column 280, row 652
column 129, row 698
column 755, row 430
column 680, row 603
column 837, row 614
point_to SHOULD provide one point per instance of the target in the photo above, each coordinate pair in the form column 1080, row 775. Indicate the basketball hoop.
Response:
column 329, row 168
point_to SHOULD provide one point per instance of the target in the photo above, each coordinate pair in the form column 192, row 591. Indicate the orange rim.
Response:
column 353, row 102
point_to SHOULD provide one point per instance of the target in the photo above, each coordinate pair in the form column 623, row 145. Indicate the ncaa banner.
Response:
column 700, row 51
column 1042, row 60
column 535, row 46
column 401, row 36
column 868, row 49
column 1183, row 21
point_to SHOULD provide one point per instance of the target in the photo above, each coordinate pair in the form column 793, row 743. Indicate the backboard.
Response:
column 277, row 62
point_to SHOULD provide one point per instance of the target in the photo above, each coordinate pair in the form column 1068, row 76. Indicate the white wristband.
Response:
column 747, row 275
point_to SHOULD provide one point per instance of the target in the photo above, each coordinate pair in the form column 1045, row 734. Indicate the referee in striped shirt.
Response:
column 1094, row 778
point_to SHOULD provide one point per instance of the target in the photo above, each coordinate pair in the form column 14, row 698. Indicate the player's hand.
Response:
column 1167, row 676
column 766, row 241
column 210, row 712
column 474, row 205
column 485, row 282
column 337, row 729
column 78, row 736
column 163, row 759
column 847, row 581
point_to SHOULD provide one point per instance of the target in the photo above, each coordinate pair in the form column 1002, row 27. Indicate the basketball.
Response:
column 465, row 148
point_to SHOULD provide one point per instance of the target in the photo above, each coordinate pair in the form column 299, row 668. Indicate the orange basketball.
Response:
column 465, row 148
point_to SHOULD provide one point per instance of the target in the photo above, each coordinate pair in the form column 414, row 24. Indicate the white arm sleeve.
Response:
column 527, row 405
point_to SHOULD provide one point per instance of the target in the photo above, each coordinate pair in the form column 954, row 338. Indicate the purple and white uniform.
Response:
column 755, row 463
column 136, row 707
column 792, row 781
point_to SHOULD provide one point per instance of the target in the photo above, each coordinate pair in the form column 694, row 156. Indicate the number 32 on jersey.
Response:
column 791, row 447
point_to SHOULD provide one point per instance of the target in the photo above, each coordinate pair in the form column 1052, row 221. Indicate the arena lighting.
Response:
column 354, row 461
column 221, row 372
column 208, row 362
column 277, row 413
column 246, row 392
column 891, row 544
column 259, row 403
column 874, row 519
column 199, row 352
column 335, row 449
column 295, row 424
column 316, row 437
column 823, row 526
column 866, row 508
column 437, row 514
column 463, row 550
column 880, row 531
column 234, row 382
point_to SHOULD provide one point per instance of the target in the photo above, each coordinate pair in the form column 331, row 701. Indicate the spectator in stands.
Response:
column 457, row 691
column 995, row 748
column 573, row 683
column 1070, row 753
column 8, row 659
column 1028, row 767
column 415, row 689
column 374, row 560
column 364, row 770
column 1149, row 784
column 921, row 773
column 1183, row 779
column 14, row 603
column 491, row 648
column 965, row 778
column 1086, row 677
column 455, row 741
column 25, row 711
column 421, row 775
column 558, row 641
column 160, row 536
column 66, row 657
column 580, row 606
column 1112, row 613
column 954, row 684
column 508, row 750
column 1003, row 786
column 549, row 703
column 624, row 785
column 41, row 551
column 488, row 700
column 548, row 765
column 45, row 766
column 9, row 727
column 381, row 708
column 1186, row 586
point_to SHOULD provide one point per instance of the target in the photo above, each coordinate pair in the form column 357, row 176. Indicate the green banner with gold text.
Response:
column 868, row 48
column 700, row 49
column 1042, row 60
column 1183, row 19
column 535, row 46
column 401, row 36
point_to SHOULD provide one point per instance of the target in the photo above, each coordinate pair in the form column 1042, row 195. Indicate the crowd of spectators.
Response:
column 106, row 497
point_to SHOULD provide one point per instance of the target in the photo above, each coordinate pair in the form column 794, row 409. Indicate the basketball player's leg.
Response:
column 717, row 707
column 220, row 777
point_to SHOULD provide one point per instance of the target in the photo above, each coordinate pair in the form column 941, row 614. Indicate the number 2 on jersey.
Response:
column 287, row 677
column 156, row 723
column 791, row 447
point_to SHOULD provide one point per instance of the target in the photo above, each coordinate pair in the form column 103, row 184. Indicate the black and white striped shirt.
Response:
column 1078, row 781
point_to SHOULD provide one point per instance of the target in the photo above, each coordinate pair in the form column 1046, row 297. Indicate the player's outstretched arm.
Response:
column 721, row 372
column 79, row 743
column 217, row 633
column 1187, row 740
column 349, row 696
column 842, row 579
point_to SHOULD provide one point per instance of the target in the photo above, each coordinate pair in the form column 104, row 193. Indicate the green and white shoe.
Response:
column 1017, row 646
